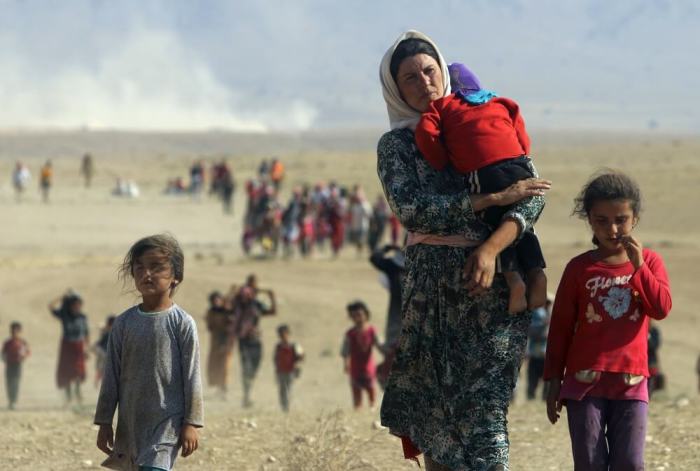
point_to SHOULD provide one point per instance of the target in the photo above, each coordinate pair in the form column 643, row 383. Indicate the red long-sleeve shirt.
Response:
column 471, row 136
column 600, row 318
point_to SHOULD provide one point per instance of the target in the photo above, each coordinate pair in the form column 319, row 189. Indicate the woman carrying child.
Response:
column 460, row 349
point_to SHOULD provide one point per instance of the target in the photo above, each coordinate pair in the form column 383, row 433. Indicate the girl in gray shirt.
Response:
column 152, row 367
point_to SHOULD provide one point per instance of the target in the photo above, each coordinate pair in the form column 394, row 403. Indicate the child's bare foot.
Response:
column 517, row 302
column 536, row 288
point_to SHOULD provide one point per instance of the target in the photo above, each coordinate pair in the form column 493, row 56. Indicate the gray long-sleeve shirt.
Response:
column 152, row 373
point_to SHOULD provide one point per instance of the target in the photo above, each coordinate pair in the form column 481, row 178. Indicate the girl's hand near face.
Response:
column 188, row 440
column 634, row 250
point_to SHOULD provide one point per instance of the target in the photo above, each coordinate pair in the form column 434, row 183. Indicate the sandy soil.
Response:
column 79, row 238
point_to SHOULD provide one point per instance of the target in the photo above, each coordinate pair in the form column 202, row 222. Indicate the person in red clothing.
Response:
column 14, row 351
column 288, row 355
column 596, row 360
column 357, row 353
column 336, row 213
column 483, row 136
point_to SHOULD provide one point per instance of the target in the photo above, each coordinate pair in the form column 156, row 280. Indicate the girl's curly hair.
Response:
column 166, row 244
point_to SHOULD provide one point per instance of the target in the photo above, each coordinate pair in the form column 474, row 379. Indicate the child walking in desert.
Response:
column 596, row 360
column 288, row 355
column 357, row 353
column 152, row 367
column 483, row 136
column 75, row 342
column 14, row 351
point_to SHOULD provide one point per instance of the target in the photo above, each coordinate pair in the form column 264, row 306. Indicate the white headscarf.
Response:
column 400, row 114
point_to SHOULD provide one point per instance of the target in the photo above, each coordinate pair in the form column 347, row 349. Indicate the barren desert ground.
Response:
column 79, row 239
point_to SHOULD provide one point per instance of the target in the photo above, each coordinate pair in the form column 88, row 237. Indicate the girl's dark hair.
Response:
column 608, row 185
column 213, row 295
column 409, row 48
column 69, row 300
column 282, row 328
column 358, row 306
column 166, row 244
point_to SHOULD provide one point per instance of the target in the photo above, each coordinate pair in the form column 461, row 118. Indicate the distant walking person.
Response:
column 46, row 180
column 288, row 355
column 14, row 351
column 152, row 370
column 219, row 323
column 657, row 379
column 391, row 261
column 247, row 310
column 228, row 187
column 377, row 223
column 20, row 179
column 87, row 169
column 359, row 214
column 356, row 351
column 264, row 170
column 276, row 174
column 100, row 350
column 197, row 178
column 74, row 344
column 536, row 348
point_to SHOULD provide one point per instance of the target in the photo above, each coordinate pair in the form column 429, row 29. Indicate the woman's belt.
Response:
column 458, row 240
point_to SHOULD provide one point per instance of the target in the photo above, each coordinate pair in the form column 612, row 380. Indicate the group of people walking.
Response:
column 457, row 173
column 322, row 217
column 22, row 176
column 234, row 318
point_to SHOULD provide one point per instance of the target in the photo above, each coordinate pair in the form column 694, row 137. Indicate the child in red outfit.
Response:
column 14, row 351
column 596, row 361
column 484, row 136
column 288, row 355
column 357, row 353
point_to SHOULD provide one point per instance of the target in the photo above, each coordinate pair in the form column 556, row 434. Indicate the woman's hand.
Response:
column 479, row 269
column 480, row 266
column 188, row 440
column 522, row 189
column 554, row 404
column 105, row 439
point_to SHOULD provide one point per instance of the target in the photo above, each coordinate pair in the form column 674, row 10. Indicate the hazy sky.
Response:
column 304, row 64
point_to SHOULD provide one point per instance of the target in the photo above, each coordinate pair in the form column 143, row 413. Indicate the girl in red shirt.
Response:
column 596, row 361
